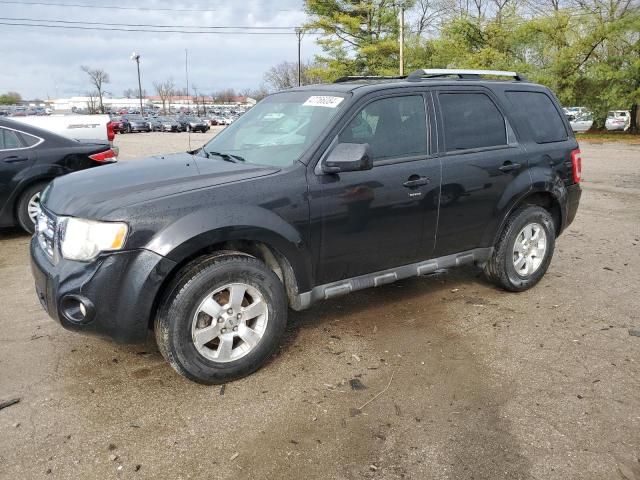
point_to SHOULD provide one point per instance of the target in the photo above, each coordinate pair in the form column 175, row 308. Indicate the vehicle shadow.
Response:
column 9, row 233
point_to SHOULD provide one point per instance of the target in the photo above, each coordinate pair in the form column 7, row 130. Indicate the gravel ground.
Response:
column 475, row 383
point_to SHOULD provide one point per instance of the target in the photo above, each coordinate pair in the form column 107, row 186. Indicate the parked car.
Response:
column 580, row 123
column 136, row 123
column 118, row 123
column 90, row 128
column 193, row 124
column 315, row 192
column 170, row 124
column 30, row 158
column 154, row 124
column 618, row 120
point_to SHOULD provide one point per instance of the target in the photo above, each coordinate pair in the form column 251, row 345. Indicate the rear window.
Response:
column 541, row 115
column 471, row 120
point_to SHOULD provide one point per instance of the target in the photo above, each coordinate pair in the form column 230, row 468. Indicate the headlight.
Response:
column 83, row 240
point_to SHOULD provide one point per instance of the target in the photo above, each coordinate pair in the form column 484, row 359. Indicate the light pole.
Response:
column 299, row 33
column 136, row 58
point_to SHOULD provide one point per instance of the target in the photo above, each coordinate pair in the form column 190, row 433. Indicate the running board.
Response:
column 384, row 277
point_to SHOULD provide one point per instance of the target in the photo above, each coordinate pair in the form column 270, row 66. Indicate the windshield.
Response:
column 278, row 130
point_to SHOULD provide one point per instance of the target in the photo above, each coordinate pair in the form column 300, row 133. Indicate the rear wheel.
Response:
column 222, row 318
column 524, row 250
column 28, row 206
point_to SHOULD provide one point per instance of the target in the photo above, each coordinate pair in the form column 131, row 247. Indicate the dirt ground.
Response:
column 456, row 379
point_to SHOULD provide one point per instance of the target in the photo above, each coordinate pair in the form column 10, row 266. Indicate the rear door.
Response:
column 16, row 156
column 480, row 160
column 367, row 221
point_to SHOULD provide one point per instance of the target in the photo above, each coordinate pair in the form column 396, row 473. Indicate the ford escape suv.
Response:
column 316, row 192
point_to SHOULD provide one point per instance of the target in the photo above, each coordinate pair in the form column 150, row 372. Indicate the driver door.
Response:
column 371, row 220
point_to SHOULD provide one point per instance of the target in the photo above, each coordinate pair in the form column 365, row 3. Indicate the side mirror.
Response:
column 348, row 157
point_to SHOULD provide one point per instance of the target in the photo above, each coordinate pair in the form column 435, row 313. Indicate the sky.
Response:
column 46, row 62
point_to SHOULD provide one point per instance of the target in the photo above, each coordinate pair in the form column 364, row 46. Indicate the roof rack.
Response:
column 462, row 73
column 355, row 78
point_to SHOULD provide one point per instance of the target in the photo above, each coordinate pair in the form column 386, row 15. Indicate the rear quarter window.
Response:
column 540, row 113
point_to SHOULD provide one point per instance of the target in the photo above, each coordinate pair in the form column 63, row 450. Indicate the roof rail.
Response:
column 354, row 78
column 462, row 73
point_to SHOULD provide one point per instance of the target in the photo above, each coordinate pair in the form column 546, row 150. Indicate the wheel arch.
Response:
column 543, row 198
column 274, row 259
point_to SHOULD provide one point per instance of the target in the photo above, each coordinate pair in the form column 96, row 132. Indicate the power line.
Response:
column 108, row 7
column 118, row 7
column 92, row 22
column 115, row 29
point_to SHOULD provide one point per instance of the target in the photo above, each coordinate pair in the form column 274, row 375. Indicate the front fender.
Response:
column 203, row 228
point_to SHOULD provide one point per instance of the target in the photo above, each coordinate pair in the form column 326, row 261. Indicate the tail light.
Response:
column 111, row 134
column 107, row 156
column 576, row 165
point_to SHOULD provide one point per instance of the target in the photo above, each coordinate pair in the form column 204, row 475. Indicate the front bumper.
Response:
column 119, row 289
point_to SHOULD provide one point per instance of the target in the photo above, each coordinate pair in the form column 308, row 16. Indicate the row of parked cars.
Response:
column 581, row 119
column 137, row 123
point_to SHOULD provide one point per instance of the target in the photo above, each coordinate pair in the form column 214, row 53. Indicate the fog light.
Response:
column 77, row 309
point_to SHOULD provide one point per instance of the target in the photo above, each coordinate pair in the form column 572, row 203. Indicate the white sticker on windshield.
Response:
column 323, row 101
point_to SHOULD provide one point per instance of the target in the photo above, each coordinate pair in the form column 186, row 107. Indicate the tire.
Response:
column 181, row 315
column 520, row 270
column 23, row 206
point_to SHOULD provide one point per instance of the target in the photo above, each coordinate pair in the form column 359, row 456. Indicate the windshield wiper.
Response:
column 227, row 157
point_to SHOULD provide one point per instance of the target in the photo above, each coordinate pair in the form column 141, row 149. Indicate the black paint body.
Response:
column 328, row 227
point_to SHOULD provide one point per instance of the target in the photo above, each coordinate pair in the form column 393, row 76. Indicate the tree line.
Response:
column 586, row 51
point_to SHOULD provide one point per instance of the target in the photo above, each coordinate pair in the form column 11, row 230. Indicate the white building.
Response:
column 78, row 103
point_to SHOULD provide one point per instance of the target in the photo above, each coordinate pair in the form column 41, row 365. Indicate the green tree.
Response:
column 360, row 37
column 10, row 98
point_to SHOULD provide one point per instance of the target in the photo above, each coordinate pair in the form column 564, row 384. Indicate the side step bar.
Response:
column 384, row 277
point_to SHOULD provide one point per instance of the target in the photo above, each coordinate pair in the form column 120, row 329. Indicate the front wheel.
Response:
column 222, row 318
column 524, row 250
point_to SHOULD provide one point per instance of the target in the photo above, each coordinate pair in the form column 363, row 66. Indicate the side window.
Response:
column 9, row 139
column 29, row 140
column 541, row 114
column 393, row 127
column 471, row 120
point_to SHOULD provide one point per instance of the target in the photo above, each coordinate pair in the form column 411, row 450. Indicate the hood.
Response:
column 97, row 192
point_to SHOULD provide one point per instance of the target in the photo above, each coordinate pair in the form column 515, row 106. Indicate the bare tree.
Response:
column 429, row 13
column 227, row 95
column 285, row 75
column 165, row 91
column 134, row 93
column 98, row 78
column 92, row 100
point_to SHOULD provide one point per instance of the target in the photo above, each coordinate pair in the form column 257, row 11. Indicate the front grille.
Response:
column 46, row 228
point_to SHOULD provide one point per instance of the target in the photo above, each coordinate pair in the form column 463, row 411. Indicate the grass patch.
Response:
column 604, row 136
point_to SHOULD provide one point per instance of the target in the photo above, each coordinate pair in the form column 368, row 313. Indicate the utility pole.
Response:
column 299, row 33
column 186, row 72
column 136, row 58
column 402, row 40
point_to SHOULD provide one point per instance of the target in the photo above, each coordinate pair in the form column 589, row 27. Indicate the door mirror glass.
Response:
column 348, row 157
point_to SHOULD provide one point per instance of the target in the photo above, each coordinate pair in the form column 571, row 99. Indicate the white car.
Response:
column 580, row 123
column 618, row 120
column 85, row 128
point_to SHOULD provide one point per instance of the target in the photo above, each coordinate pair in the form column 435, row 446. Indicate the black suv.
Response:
column 315, row 192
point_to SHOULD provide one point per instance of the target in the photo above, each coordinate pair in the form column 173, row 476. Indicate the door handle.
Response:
column 416, row 181
column 15, row 159
column 508, row 166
